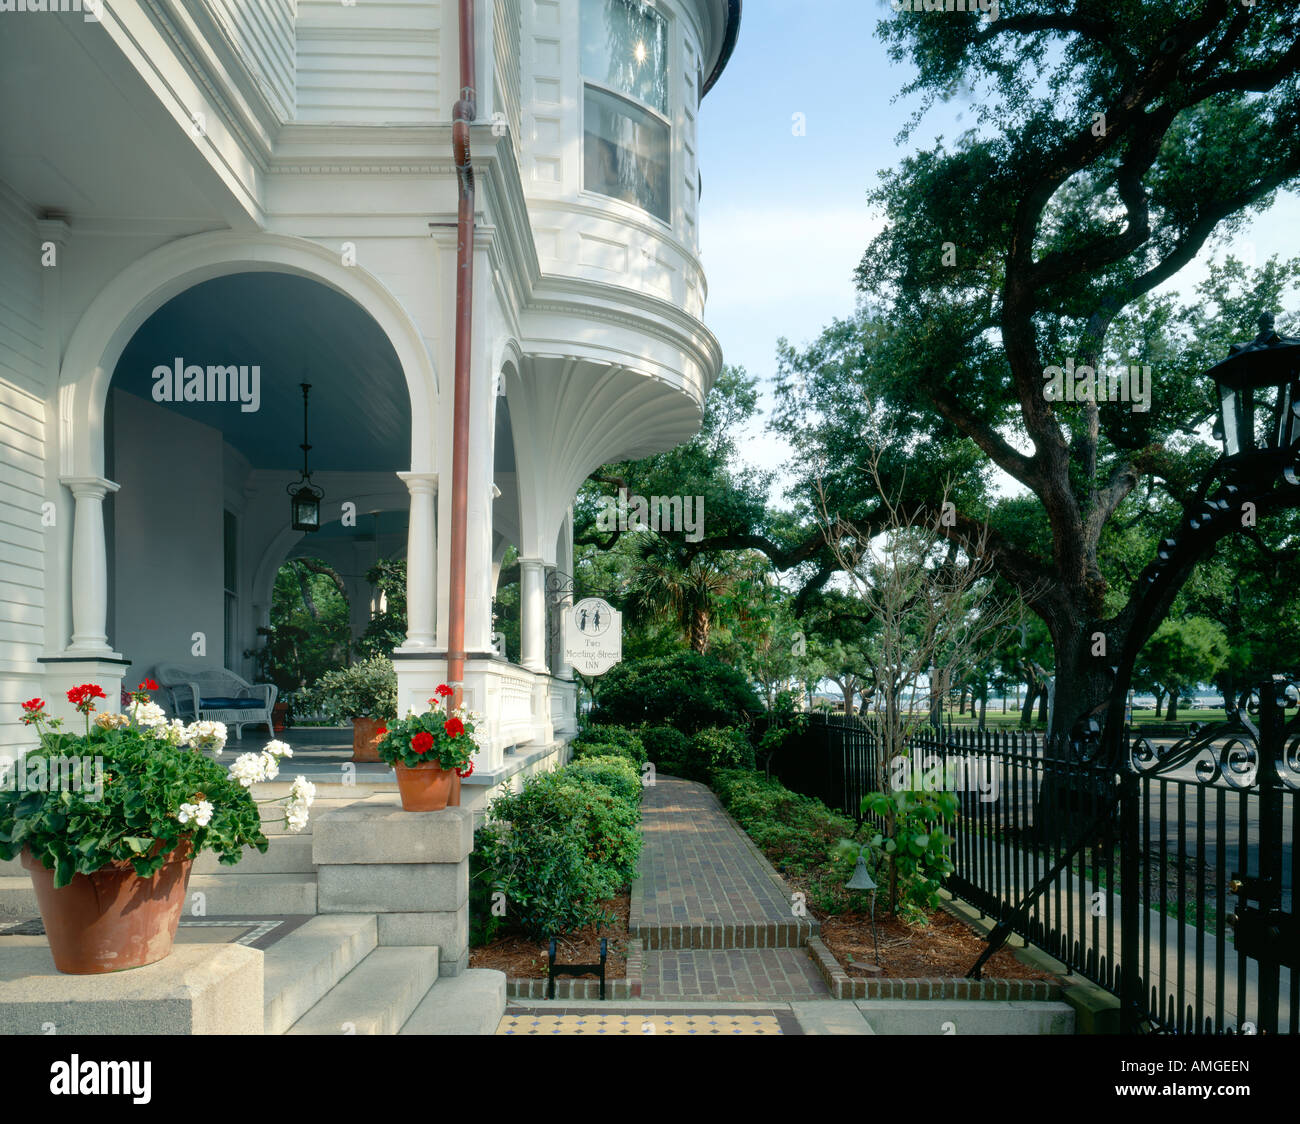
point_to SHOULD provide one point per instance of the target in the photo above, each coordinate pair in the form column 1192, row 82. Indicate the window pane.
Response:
column 625, row 153
column 625, row 47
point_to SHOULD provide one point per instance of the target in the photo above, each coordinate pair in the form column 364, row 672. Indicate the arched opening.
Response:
column 203, row 434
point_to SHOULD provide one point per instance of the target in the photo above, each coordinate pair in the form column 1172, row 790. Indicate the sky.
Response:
column 783, row 217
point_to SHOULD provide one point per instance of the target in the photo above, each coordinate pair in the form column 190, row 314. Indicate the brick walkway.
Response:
column 716, row 920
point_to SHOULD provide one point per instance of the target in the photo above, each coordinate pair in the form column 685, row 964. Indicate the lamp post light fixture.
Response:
column 862, row 880
column 304, row 496
column 1259, row 397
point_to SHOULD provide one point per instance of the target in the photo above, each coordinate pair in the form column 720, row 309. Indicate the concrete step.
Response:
column 299, row 970
column 377, row 996
column 471, row 1003
column 253, row 895
column 287, row 854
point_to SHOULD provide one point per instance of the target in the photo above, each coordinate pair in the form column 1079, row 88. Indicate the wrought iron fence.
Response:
column 1168, row 881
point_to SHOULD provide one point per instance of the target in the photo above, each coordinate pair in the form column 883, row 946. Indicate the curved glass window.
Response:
column 625, row 47
column 626, row 152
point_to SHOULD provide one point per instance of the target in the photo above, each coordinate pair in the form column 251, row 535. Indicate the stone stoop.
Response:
column 300, row 969
column 378, row 996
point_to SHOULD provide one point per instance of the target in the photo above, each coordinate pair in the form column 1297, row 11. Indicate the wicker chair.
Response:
column 214, row 694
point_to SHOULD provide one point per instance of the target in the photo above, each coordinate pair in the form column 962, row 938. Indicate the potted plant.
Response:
column 429, row 750
column 365, row 693
column 107, row 823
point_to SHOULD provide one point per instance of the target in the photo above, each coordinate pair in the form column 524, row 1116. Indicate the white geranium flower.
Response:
column 249, row 769
column 173, row 732
column 270, row 766
column 200, row 813
column 206, row 735
column 147, row 715
column 300, row 798
column 110, row 721
column 277, row 749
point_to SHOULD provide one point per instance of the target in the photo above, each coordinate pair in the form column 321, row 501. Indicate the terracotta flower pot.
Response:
column 425, row 787
column 112, row 919
column 366, row 738
column 279, row 717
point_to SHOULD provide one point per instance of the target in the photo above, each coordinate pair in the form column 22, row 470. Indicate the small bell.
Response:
column 861, row 880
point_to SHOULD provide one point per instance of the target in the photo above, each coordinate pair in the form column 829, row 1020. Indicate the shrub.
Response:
column 549, row 885
column 686, row 690
column 558, row 849
column 723, row 748
column 367, row 689
column 610, row 741
column 616, row 773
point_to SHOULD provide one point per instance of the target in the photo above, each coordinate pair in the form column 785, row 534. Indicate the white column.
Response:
column 564, row 564
column 421, row 562
column 89, row 566
column 532, row 614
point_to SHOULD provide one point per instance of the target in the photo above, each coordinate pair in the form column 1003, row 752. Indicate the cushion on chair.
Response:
column 231, row 704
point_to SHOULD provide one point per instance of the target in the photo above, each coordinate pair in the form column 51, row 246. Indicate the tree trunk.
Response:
column 1159, row 693
column 700, row 631
column 984, row 702
column 1172, row 716
column 1027, row 711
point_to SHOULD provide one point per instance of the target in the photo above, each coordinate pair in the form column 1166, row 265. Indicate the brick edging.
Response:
column 844, row 986
column 569, row 988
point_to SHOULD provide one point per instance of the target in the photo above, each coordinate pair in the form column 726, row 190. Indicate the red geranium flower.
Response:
column 34, row 709
column 83, row 697
column 148, row 685
column 381, row 731
column 454, row 727
column 443, row 691
column 34, row 704
column 467, row 771
column 422, row 742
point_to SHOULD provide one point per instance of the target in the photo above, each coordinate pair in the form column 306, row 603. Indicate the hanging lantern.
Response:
column 304, row 496
column 1259, row 394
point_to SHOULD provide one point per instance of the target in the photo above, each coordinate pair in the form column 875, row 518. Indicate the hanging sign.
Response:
column 593, row 636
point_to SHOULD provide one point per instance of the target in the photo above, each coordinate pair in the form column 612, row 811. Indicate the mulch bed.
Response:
column 522, row 958
column 944, row 948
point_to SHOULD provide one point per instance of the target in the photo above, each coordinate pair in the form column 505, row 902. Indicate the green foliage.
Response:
column 309, row 627
column 74, row 829
column 567, row 842
column 914, row 844
column 798, row 835
column 617, row 741
column 367, row 689
column 667, row 747
column 722, row 747
column 386, row 630
column 687, row 690
column 616, row 773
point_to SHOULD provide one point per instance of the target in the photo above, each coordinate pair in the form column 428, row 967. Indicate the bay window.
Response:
column 626, row 136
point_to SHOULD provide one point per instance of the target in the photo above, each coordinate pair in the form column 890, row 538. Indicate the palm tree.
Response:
column 670, row 583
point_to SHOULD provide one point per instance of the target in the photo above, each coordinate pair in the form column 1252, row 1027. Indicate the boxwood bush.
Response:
column 558, row 849
column 616, row 773
column 610, row 741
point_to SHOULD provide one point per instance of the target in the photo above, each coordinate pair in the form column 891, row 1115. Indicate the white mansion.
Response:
column 206, row 203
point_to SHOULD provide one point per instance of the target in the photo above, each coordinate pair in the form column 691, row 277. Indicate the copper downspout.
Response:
column 462, row 115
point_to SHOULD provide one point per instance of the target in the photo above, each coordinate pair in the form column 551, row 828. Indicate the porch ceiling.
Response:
column 294, row 330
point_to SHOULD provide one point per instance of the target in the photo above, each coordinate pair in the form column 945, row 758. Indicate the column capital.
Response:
column 420, row 483
column 89, row 487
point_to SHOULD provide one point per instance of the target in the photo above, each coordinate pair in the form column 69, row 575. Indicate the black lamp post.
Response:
column 862, row 880
column 304, row 496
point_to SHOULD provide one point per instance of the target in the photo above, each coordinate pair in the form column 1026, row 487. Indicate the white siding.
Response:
column 22, row 467
column 262, row 30
column 374, row 62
